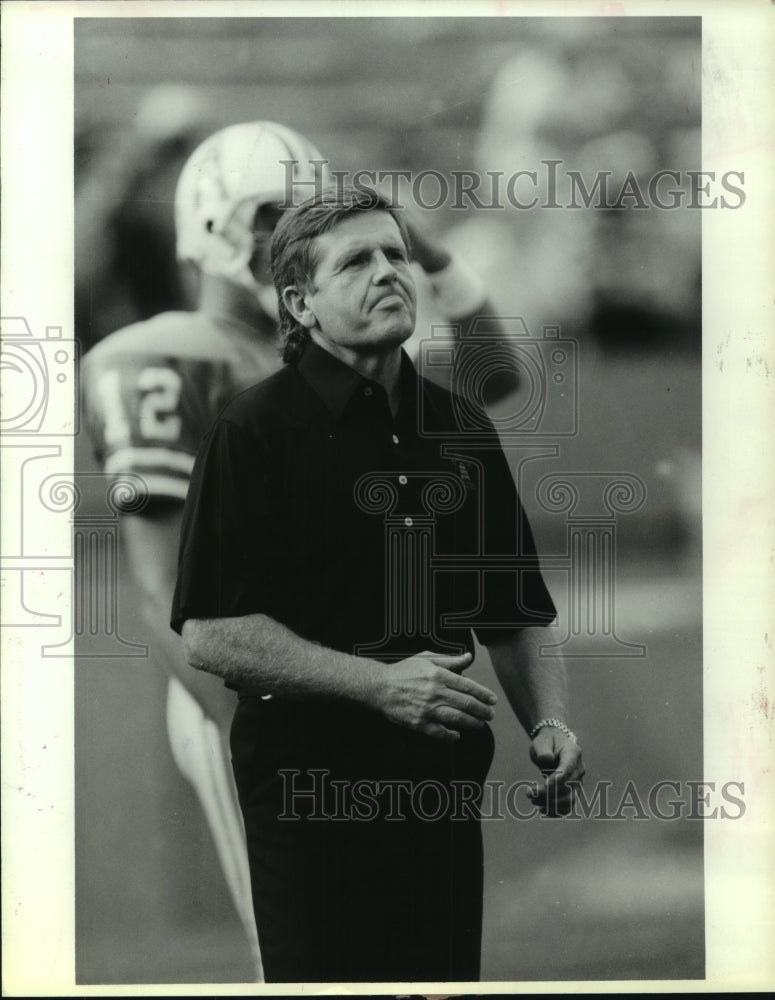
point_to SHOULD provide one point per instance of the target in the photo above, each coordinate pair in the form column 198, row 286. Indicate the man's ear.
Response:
column 296, row 302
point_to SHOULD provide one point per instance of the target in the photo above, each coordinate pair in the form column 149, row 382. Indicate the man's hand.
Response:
column 559, row 760
column 427, row 694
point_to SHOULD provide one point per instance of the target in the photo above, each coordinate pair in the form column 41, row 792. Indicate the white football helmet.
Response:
column 225, row 182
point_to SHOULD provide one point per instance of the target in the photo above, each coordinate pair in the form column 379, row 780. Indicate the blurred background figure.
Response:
column 125, row 266
column 578, row 115
column 629, row 278
column 537, row 261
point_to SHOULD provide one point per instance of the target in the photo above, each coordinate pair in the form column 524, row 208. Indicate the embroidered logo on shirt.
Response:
column 465, row 475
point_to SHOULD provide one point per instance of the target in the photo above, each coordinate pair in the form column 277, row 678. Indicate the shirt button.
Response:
column 408, row 522
column 395, row 439
column 367, row 391
column 403, row 480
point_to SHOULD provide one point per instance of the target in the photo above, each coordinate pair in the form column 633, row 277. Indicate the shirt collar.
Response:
column 335, row 382
column 331, row 379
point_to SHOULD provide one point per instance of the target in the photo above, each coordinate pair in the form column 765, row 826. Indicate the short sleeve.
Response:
column 514, row 596
column 226, row 536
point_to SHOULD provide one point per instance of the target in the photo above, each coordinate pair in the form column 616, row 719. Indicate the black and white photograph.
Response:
column 387, row 460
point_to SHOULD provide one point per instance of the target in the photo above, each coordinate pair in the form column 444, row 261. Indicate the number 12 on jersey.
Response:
column 152, row 408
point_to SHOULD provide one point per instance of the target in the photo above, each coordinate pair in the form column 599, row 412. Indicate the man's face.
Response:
column 363, row 299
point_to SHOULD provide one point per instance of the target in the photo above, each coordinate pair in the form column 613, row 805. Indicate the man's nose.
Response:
column 383, row 268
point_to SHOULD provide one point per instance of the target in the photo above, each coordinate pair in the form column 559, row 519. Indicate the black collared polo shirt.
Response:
column 370, row 534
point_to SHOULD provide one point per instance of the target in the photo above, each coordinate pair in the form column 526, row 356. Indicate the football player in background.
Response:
column 152, row 389
column 124, row 231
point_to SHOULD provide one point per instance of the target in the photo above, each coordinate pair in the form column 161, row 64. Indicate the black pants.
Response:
column 364, row 844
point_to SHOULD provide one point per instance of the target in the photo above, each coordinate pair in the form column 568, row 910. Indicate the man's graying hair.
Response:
column 294, row 255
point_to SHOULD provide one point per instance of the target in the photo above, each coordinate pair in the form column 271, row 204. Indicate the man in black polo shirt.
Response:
column 329, row 573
